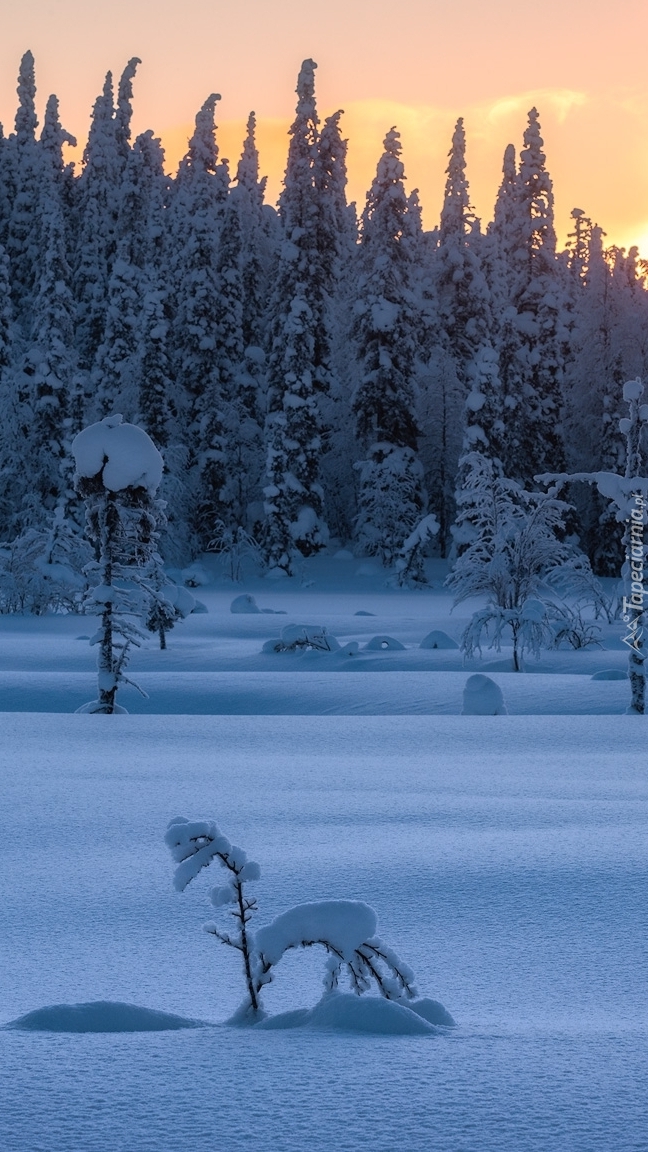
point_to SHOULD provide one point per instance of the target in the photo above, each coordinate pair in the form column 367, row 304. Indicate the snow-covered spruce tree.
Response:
column 517, row 555
column 593, row 386
column 10, row 465
column 628, row 494
column 298, row 367
column 26, row 166
column 44, row 379
column 52, row 139
column 195, row 213
column 344, row 928
column 466, row 320
column 532, row 303
column 391, row 498
column 338, row 229
column 117, row 376
column 227, row 423
column 118, row 472
column 97, row 202
column 256, row 248
column 464, row 305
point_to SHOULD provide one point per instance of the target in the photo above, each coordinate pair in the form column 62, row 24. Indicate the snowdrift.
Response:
column 345, row 1012
column 101, row 1016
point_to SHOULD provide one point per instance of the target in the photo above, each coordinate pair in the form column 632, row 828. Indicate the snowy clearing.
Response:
column 504, row 857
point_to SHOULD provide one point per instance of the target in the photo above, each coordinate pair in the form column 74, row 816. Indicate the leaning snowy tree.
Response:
column 118, row 472
column 629, row 496
column 344, row 928
column 516, row 557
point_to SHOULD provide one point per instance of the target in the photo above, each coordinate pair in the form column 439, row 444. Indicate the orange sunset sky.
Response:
column 418, row 64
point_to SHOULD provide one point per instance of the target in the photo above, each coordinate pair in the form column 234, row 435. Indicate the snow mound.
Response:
column 95, row 707
column 438, row 639
column 368, row 569
column 101, row 1016
column 482, row 697
column 343, row 554
column 303, row 638
column 123, row 454
column 345, row 1012
column 345, row 924
column 610, row 674
column 244, row 603
column 433, row 1011
column 247, row 604
column 384, row 644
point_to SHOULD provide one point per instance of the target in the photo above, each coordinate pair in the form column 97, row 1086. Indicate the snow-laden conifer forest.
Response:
column 308, row 370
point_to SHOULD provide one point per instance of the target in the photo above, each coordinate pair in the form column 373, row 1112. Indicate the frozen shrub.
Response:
column 345, row 929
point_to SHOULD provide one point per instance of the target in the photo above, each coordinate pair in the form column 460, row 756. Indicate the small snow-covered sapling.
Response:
column 346, row 929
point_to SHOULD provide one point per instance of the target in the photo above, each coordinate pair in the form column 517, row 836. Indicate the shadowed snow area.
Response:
column 504, row 857
column 100, row 1016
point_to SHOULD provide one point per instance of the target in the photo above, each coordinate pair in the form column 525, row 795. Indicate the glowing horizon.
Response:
column 419, row 68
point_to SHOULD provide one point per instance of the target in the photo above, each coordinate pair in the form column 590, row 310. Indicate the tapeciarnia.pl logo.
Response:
column 634, row 605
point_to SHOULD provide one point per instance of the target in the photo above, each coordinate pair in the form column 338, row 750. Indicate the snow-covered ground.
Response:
column 505, row 857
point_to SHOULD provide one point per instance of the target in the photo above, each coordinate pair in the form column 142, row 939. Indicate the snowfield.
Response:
column 505, row 858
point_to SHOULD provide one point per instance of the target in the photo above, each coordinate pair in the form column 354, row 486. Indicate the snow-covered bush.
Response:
column 517, row 556
column 234, row 545
column 43, row 569
column 303, row 638
column 118, row 471
column 346, row 929
column 410, row 568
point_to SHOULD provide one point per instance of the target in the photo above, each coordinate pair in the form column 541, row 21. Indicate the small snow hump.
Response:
column 437, row 639
column 244, row 604
column 482, row 697
column 101, row 1016
column 384, row 644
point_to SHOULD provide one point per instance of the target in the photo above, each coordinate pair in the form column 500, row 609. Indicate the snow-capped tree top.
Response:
column 537, row 189
column 344, row 924
column 390, row 166
column 124, row 111
column 456, row 204
column 297, row 203
column 247, row 172
column 306, row 89
column 202, row 153
column 122, row 454
column 101, row 137
column 53, row 135
column 26, row 120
